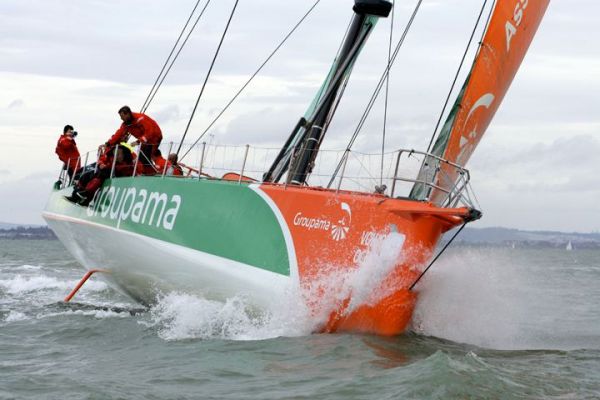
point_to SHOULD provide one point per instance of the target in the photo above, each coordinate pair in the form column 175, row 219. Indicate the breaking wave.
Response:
column 20, row 284
column 28, row 267
column 180, row 316
column 99, row 313
column 30, row 292
column 14, row 316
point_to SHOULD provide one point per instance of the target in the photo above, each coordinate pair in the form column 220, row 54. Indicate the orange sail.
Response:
column 511, row 29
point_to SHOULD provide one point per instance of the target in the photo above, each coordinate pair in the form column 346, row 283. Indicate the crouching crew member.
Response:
column 159, row 161
column 67, row 151
column 145, row 130
column 85, row 189
column 174, row 168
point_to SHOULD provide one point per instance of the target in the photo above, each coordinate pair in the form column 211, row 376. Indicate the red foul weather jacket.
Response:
column 66, row 148
column 143, row 128
column 161, row 164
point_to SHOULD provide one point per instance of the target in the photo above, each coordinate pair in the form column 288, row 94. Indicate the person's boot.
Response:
column 84, row 199
column 75, row 197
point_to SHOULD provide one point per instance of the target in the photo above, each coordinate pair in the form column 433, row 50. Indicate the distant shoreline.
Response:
column 28, row 233
column 475, row 237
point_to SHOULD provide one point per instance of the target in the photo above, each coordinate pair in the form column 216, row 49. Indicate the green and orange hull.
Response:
column 220, row 238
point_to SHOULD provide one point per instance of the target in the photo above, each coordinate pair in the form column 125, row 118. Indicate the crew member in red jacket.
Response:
column 174, row 167
column 67, row 151
column 87, row 186
column 160, row 163
column 145, row 130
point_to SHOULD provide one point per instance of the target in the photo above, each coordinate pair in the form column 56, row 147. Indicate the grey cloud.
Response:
column 23, row 200
column 98, row 42
column 168, row 114
column 570, row 152
column 17, row 103
column 95, row 44
column 565, row 167
column 265, row 127
column 578, row 184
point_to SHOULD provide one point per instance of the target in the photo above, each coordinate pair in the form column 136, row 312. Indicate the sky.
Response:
column 78, row 62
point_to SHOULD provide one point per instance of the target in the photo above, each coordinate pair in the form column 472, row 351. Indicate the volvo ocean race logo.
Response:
column 338, row 230
column 140, row 207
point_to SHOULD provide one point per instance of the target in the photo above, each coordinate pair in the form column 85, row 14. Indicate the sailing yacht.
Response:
column 235, row 233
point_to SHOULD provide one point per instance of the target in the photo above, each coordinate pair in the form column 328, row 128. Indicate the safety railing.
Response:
column 82, row 163
column 393, row 174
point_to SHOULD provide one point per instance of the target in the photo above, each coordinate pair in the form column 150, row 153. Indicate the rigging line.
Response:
column 387, row 90
column 377, row 89
column 384, row 76
column 469, row 187
column 487, row 23
column 212, row 64
column 170, row 54
column 177, row 54
column 346, row 80
column 485, row 28
column 337, row 54
column 340, row 94
column 464, row 56
column 337, row 101
column 252, row 77
column 436, row 257
column 332, row 90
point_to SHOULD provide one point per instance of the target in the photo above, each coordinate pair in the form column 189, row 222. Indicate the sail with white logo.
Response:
column 510, row 32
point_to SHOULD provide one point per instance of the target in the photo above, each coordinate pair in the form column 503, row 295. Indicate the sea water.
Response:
column 491, row 323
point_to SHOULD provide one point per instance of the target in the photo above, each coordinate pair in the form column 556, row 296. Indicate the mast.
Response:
column 300, row 150
column 512, row 27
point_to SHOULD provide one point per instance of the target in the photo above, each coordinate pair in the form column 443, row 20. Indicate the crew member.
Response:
column 145, row 130
column 159, row 161
column 174, row 168
column 67, row 151
column 123, row 166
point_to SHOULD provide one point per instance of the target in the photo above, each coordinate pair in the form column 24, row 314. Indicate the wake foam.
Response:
column 15, row 316
column 19, row 284
column 180, row 316
column 298, row 312
column 28, row 267
column 95, row 313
